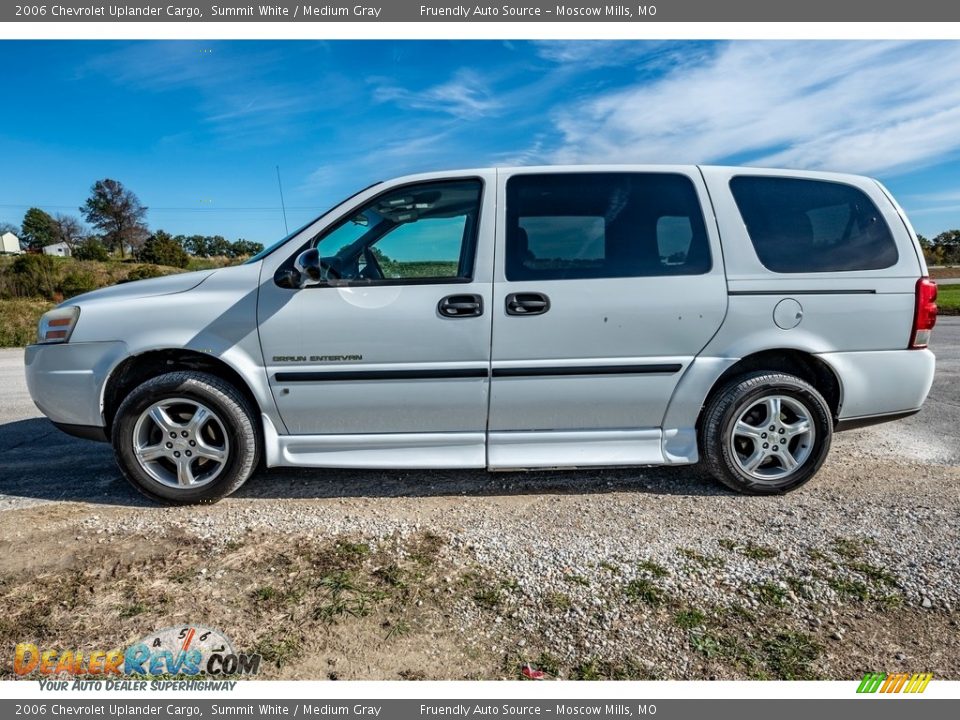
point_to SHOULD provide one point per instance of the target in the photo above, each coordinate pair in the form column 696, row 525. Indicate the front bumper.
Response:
column 66, row 380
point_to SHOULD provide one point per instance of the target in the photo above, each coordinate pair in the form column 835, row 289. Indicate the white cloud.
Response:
column 937, row 197
column 579, row 55
column 465, row 95
column 854, row 106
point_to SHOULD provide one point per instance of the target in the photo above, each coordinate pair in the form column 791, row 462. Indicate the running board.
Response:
column 387, row 450
column 563, row 449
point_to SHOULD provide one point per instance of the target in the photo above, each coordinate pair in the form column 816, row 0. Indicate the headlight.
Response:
column 57, row 325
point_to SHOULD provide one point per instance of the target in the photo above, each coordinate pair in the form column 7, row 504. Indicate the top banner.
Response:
column 523, row 11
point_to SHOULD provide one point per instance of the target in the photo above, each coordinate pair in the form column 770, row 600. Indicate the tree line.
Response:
column 117, row 225
column 944, row 249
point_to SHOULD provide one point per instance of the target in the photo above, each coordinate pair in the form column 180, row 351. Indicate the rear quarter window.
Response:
column 798, row 225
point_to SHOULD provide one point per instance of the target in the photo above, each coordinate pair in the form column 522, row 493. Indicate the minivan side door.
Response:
column 395, row 338
column 607, row 285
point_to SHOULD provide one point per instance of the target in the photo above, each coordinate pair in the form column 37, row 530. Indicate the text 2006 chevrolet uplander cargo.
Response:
column 515, row 318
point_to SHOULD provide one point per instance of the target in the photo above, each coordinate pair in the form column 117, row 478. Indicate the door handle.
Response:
column 456, row 306
column 527, row 303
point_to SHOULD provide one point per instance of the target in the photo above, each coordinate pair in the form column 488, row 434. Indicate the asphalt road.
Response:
column 39, row 463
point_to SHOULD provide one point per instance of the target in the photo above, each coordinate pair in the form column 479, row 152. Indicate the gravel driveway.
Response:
column 633, row 573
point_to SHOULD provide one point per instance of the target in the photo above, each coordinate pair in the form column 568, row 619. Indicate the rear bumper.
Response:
column 66, row 380
column 881, row 383
column 868, row 420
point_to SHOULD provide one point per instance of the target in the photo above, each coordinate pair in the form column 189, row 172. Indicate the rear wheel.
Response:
column 766, row 433
column 186, row 437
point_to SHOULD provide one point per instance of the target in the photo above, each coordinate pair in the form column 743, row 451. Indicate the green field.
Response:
column 948, row 299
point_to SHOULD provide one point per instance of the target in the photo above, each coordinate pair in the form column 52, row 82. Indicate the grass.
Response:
column 689, row 619
column 850, row 548
column 759, row 552
column 596, row 669
column 948, row 299
column 706, row 561
column 644, row 591
column 749, row 549
column 771, row 594
column 558, row 601
column 488, row 597
column 783, row 654
column 132, row 610
column 653, row 569
column 265, row 593
column 18, row 320
column 344, row 595
column 23, row 300
column 791, row 654
column 851, row 588
column 397, row 629
column 876, row 575
column 278, row 651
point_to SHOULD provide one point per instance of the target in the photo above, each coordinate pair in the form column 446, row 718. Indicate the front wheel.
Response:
column 186, row 437
column 766, row 433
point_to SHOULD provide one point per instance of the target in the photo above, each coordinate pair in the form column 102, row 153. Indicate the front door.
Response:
column 608, row 284
column 393, row 335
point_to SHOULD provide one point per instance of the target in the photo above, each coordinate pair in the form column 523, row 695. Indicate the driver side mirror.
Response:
column 306, row 271
column 307, row 266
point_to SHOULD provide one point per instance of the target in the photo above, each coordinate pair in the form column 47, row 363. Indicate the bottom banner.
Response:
column 350, row 709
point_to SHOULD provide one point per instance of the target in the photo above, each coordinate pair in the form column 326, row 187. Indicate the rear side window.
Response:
column 600, row 225
column 798, row 225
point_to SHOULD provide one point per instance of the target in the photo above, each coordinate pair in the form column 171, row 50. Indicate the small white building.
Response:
column 60, row 249
column 10, row 243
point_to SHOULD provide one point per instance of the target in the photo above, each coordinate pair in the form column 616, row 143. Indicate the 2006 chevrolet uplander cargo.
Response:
column 514, row 318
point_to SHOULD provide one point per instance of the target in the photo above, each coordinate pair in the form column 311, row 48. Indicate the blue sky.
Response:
column 197, row 128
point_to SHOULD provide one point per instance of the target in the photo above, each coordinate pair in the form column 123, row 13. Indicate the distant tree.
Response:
column 196, row 245
column 217, row 245
column 39, row 229
column 91, row 249
column 207, row 245
column 69, row 230
column 117, row 213
column 161, row 248
column 947, row 247
column 6, row 227
column 243, row 248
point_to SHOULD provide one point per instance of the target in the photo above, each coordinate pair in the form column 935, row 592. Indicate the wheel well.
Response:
column 796, row 362
column 139, row 368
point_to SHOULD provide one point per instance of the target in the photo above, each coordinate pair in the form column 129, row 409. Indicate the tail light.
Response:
column 925, row 313
column 57, row 325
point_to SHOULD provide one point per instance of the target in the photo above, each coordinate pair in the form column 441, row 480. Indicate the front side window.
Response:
column 417, row 233
column 598, row 225
column 798, row 225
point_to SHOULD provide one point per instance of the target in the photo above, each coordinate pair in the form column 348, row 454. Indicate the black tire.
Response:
column 738, row 396
column 237, row 423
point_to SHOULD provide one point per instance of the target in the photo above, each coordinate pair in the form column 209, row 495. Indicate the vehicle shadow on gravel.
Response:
column 39, row 462
column 321, row 483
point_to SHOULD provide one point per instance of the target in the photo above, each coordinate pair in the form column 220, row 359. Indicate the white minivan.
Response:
column 537, row 317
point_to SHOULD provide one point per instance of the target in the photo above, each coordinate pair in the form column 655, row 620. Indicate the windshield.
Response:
column 268, row 250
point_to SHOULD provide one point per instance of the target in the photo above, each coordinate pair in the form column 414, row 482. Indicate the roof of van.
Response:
column 634, row 167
